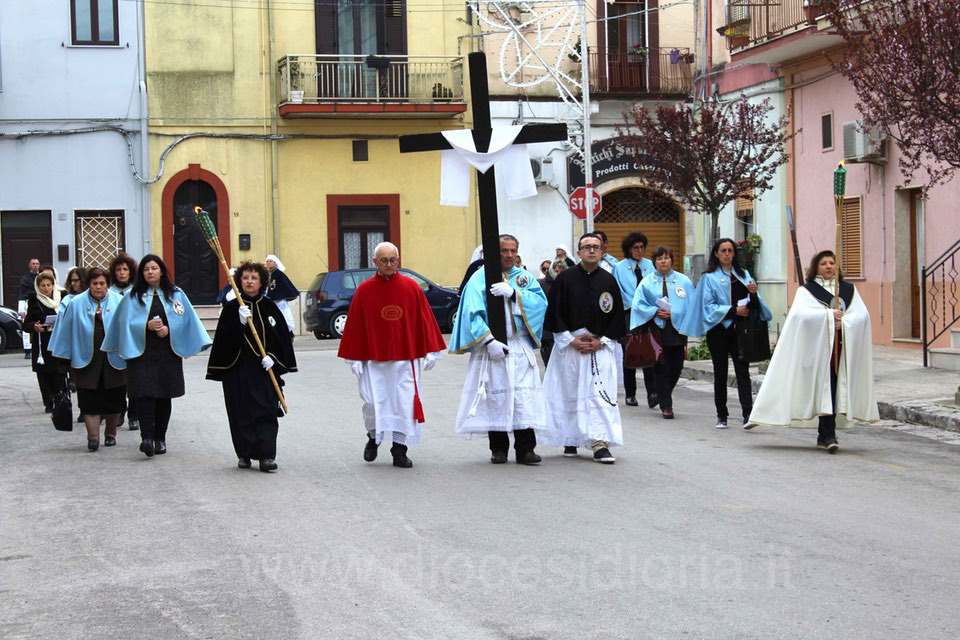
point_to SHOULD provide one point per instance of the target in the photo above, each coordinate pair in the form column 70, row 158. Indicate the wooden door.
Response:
column 361, row 230
column 195, row 268
column 23, row 235
column 916, row 258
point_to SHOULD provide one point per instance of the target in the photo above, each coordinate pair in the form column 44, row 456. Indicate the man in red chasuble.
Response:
column 390, row 338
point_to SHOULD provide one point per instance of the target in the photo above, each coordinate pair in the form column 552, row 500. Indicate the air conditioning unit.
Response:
column 542, row 170
column 863, row 145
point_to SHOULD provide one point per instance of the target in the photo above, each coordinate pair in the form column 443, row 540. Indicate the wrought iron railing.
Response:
column 642, row 71
column 314, row 79
column 940, row 297
column 765, row 19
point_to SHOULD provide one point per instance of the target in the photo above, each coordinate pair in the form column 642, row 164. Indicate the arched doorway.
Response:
column 640, row 209
column 191, row 262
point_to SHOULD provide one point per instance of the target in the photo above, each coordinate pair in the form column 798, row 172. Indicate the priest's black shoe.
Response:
column 830, row 444
column 399, row 453
column 653, row 400
column 243, row 463
column 268, row 464
column 498, row 457
column 630, row 401
column 528, row 458
column 93, row 445
column 569, row 452
column 370, row 451
column 603, row 456
column 160, row 447
column 146, row 446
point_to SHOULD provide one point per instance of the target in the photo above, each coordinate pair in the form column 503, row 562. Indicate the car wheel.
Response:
column 452, row 319
column 338, row 323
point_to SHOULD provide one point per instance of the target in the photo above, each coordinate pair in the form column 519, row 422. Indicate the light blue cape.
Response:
column 471, row 327
column 128, row 332
column 72, row 337
column 711, row 303
column 644, row 305
column 627, row 279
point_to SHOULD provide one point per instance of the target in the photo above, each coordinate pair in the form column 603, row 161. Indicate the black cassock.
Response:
column 582, row 300
column 280, row 287
column 252, row 404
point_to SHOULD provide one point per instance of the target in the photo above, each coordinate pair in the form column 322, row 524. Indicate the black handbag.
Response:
column 642, row 348
column 753, row 337
column 62, row 414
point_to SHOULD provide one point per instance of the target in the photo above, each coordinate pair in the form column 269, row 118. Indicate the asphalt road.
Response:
column 694, row 533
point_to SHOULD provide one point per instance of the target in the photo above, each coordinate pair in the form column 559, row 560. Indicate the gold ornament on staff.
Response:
column 210, row 235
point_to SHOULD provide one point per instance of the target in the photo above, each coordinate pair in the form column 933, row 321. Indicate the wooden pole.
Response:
column 839, row 191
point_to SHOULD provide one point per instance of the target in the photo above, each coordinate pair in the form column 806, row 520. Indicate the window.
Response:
column 851, row 251
column 826, row 131
column 94, row 22
column 360, row 151
column 420, row 281
column 743, row 213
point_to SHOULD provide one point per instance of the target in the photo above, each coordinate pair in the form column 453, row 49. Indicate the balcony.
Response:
column 312, row 86
column 648, row 72
column 773, row 31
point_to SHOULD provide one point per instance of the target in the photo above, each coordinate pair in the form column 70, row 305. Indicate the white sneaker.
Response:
column 721, row 424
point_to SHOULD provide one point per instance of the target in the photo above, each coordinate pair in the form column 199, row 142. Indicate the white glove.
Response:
column 357, row 368
column 497, row 350
column 245, row 314
column 502, row 289
column 266, row 363
column 430, row 361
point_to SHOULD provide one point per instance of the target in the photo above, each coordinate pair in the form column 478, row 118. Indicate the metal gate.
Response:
column 99, row 236
column 646, row 210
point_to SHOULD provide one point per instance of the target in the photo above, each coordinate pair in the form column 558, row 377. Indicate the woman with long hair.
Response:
column 823, row 363
column 98, row 376
column 155, row 328
column 42, row 308
column 725, row 295
column 661, row 299
column 252, row 404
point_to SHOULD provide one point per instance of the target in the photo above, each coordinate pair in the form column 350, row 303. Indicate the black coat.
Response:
column 37, row 312
column 233, row 342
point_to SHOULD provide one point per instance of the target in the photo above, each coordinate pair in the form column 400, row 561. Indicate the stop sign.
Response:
column 578, row 200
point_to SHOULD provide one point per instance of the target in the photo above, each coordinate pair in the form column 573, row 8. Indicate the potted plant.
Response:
column 749, row 248
column 577, row 52
column 639, row 51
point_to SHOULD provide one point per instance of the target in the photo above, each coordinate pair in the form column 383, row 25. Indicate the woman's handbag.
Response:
column 642, row 349
column 62, row 414
column 753, row 337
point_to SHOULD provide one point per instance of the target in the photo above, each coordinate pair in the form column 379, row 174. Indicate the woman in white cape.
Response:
column 823, row 362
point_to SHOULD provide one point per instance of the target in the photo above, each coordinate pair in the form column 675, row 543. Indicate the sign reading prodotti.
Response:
column 612, row 159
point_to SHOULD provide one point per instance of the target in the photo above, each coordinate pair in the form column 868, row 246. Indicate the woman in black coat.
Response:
column 42, row 307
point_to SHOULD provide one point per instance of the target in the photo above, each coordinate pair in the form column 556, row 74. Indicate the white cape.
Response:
column 796, row 386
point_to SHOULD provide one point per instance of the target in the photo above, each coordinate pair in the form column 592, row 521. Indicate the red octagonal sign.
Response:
column 578, row 201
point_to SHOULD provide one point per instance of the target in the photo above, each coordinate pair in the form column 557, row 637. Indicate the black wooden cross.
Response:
column 486, row 182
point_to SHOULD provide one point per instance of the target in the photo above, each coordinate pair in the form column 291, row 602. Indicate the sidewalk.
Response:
column 906, row 392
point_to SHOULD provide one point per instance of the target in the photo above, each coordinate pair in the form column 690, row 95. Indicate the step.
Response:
column 955, row 338
column 208, row 314
column 945, row 358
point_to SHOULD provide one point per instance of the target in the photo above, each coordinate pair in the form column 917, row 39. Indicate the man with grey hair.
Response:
column 391, row 337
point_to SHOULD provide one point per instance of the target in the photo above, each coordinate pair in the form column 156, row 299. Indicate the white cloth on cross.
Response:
column 515, row 174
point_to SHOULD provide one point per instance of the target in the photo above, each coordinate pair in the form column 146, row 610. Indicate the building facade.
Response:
column 71, row 143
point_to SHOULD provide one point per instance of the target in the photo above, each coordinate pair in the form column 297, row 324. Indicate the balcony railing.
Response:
column 766, row 19
column 660, row 71
column 322, row 79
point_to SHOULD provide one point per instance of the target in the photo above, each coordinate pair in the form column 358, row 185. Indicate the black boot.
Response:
column 399, row 453
column 159, row 447
column 146, row 446
column 370, row 451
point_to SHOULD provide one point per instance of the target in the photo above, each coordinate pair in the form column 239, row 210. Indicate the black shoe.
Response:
column 26, row 355
column 498, row 457
column 399, row 453
column 667, row 414
column 244, row 463
column 93, row 445
column 80, row 419
column 109, row 441
column 653, row 400
column 630, row 401
column 48, row 409
column 370, row 450
column 268, row 464
column 160, row 447
column 146, row 446
column 528, row 458
column 830, row 444
column 603, row 456
column 133, row 424
column 569, row 452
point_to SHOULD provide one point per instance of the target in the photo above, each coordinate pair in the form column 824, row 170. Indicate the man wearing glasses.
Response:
column 585, row 314
column 391, row 337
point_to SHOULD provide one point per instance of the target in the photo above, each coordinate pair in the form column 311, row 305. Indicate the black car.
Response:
column 329, row 296
column 10, row 328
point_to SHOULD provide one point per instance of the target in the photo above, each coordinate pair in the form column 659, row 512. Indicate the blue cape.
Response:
column 122, row 292
column 644, row 307
column 711, row 302
column 128, row 332
column 610, row 260
column 471, row 327
column 627, row 279
column 72, row 337
column 65, row 301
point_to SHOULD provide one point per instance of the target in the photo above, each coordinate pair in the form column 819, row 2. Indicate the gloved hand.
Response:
column 245, row 314
column 357, row 368
column 502, row 289
column 266, row 363
column 497, row 350
column 430, row 361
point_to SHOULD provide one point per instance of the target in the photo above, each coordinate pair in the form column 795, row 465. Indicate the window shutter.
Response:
column 326, row 21
column 393, row 36
column 743, row 206
column 851, row 253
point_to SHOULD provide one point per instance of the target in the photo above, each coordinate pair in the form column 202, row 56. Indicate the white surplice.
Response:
column 514, row 172
column 387, row 390
column 581, row 394
column 796, row 386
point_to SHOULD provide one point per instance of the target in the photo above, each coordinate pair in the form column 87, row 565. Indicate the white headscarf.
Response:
column 565, row 250
column 477, row 254
column 280, row 266
column 51, row 302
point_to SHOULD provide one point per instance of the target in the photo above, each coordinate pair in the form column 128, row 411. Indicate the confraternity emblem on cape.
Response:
column 523, row 281
column 681, row 292
column 272, row 322
column 606, row 302
column 178, row 307
column 391, row 312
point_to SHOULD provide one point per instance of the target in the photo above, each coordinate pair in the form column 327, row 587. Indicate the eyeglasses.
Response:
column 590, row 247
column 388, row 260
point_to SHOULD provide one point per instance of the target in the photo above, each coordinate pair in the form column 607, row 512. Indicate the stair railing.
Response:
column 940, row 300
